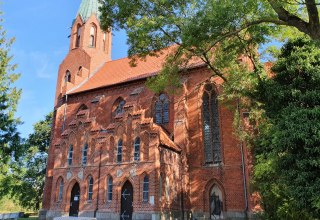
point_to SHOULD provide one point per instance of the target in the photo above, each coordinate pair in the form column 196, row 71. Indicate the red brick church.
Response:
column 120, row 151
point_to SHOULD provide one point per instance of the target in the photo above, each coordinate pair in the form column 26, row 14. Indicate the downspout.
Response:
column 181, row 188
column 97, row 204
column 243, row 167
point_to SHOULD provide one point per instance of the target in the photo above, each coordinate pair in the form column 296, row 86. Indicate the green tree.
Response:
column 219, row 32
column 288, row 149
column 25, row 182
column 9, row 96
column 228, row 27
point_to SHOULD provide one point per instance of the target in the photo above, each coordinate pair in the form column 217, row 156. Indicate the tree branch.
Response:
column 288, row 18
column 313, row 14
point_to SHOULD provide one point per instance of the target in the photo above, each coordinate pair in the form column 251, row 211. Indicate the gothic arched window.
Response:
column 78, row 35
column 109, row 192
column 90, row 188
column 60, row 189
column 162, row 110
column 70, row 155
column 119, row 151
column 145, row 196
column 118, row 106
column 93, row 34
column 136, row 154
column 215, row 201
column 211, row 126
column 67, row 77
column 84, row 154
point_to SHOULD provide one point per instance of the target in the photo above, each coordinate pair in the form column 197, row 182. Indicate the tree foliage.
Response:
column 25, row 182
column 288, row 147
column 218, row 32
column 198, row 27
column 9, row 96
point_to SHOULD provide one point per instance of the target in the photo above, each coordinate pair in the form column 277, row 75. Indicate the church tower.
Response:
column 90, row 48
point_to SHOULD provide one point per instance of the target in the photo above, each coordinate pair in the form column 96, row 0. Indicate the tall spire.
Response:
column 88, row 8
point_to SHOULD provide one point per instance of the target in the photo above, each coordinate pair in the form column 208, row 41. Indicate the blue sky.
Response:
column 41, row 29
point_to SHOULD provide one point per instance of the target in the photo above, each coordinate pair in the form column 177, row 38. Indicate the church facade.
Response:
column 120, row 151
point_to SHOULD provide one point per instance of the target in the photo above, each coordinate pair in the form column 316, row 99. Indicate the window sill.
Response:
column 213, row 165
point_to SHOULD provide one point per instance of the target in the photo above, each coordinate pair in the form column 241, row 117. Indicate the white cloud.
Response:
column 38, row 64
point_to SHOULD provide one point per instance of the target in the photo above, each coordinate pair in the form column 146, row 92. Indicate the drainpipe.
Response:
column 97, row 205
column 181, row 188
column 243, row 168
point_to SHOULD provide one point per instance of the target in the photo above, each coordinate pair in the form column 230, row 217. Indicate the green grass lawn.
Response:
column 7, row 205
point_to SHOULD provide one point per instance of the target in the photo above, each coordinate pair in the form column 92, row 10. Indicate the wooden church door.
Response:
column 126, row 201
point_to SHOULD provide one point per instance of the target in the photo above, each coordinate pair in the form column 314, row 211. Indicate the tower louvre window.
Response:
column 93, row 31
column 162, row 110
column 67, row 77
column 78, row 35
column 211, row 126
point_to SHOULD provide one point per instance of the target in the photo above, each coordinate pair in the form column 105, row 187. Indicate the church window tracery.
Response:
column 118, row 106
column 162, row 110
column 211, row 126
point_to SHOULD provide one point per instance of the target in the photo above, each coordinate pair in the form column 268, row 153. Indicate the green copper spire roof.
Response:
column 87, row 8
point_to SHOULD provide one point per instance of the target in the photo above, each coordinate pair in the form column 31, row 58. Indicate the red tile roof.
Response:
column 120, row 71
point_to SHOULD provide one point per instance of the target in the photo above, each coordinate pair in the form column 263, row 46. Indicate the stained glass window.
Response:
column 211, row 126
column 162, row 110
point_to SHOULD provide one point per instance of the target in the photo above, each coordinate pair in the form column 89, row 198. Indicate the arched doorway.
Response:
column 126, row 201
column 215, row 201
column 74, row 200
